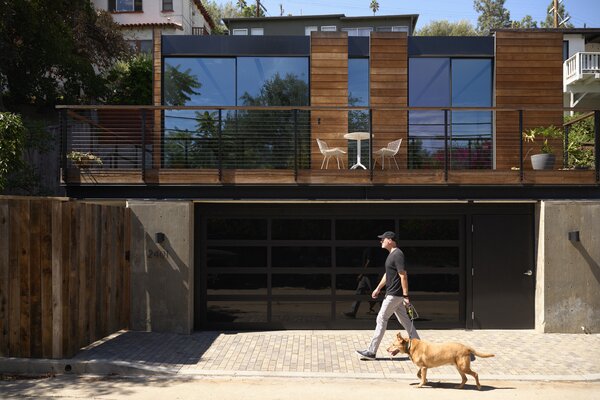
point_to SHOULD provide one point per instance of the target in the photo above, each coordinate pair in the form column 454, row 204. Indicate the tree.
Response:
column 218, row 11
column 447, row 28
column 52, row 51
column 526, row 22
column 562, row 16
column 12, row 143
column 493, row 15
column 130, row 81
column 374, row 6
column 249, row 11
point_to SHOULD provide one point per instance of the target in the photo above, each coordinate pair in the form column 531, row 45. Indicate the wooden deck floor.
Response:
column 326, row 177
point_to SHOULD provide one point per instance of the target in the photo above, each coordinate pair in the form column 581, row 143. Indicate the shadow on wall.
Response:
column 594, row 266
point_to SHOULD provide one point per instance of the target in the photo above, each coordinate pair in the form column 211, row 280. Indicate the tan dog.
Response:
column 428, row 355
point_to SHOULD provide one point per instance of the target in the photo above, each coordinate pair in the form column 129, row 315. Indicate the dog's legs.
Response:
column 423, row 372
column 463, row 364
column 474, row 375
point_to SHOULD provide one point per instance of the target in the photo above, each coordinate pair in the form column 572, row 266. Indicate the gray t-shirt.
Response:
column 393, row 265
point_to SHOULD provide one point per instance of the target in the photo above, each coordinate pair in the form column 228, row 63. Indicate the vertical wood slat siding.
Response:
column 544, row 58
column 50, row 293
column 328, row 87
column 157, row 98
column 389, row 86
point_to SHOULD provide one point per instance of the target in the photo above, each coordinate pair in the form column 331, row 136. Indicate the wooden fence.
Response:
column 64, row 275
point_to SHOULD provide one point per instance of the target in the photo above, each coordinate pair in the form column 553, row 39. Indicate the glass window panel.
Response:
column 429, row 82
column 298, row 284
column 236, row 228
column 433, row 283
column 429, row 229
column 301, row 312
column 431, row 257
column 356, row 257
column 257, row 31
column 353, row 284
column 471, row 83
column 236, row 311
column 301, row 257
column 362, row 229
column 309, row 29
column 212, row 81
column 236, row 284
column 272, row 81
column 125, row 5
column 358, row 82
column 242, row 32
column 301, row 229
column 191, row 139
column 236, row 257
column 438, row 310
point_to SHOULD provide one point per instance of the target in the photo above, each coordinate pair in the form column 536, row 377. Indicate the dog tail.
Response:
column 482, row 355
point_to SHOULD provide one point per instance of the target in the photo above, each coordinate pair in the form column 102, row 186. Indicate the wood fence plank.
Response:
column 82, row 275
column 57, row 280
column 66, row 270
column 35, row 279
column 127, row 270
column 4, row 277
column 46, row 278
column 14, row 297
column 92, row 248
column 24, row 283
column 74, row 280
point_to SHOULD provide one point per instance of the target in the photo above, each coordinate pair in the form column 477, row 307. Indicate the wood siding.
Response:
column 157, row 98
column 528, row 74
column 64, row 275
column 388, row 86
column 328, row 88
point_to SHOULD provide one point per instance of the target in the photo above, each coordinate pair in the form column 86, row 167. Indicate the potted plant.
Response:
column 84, row 159
column 546, row 159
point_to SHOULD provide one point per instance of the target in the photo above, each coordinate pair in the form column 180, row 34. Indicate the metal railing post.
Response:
column 143, row 167
column 371, row 143
column 521, row 165
column 446, row 155
column 220, row 140
column 566, row 146
column 597, row 144
column 295, row 145
column 63, row 143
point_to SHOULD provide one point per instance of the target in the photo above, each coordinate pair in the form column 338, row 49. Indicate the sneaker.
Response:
column 349, row 314
column 365, row 354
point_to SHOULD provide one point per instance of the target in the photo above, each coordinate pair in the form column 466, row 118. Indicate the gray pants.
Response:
column 391, row 305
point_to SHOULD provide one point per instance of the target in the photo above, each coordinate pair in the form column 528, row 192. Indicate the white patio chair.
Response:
column 389, row 151
column 330, row 152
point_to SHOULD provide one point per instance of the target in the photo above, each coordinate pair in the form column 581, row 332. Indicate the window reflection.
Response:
column 429, row 229
column 301, row 229
column 431, row 257
column 236, row 311
column 224, row 284
column 299, row 284
column 236, row 228
column 357, row 229
column 301, row 257
column 236, row 257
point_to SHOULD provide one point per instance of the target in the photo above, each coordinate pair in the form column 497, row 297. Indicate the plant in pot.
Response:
column 546, row 158
column 84, row 159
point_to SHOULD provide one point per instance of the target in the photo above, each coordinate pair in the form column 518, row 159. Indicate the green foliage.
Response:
column 130, row 81
column 220, row 10
column 12, row 143
column 374, row 6
column 179, row 86
column 563, row 14
column 526, row 22
column 51, row 51
column 447, row 28
column 581, row 139
column 492, row 15
column 249, row 10
column 543, row 133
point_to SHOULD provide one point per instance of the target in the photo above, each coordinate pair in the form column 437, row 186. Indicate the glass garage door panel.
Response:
column 236, row 311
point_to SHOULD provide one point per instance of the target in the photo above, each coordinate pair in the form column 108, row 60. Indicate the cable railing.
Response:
column 217, row 139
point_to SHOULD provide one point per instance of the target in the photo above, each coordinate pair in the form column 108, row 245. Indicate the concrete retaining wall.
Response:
column 568, row 273
column 162, row 274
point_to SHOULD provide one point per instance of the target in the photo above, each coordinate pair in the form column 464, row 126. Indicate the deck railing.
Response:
column 579, row 64
column 199, row 145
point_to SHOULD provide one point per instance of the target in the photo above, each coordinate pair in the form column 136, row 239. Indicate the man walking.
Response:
column 396, row 281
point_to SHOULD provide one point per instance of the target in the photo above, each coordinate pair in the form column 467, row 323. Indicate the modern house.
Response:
column 582, row 68
column 299, row 25
column 239, row 223
column 139, row 18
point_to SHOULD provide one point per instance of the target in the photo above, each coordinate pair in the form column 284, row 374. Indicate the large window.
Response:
column 358, row 96
column 445, row 82
column 244, row 138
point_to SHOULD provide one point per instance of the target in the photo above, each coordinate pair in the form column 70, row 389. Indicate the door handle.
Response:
column 528, row 272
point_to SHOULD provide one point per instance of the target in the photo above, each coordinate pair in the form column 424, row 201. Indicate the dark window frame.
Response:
column 167, row 6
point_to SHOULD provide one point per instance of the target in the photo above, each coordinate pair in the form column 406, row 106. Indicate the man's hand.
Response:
column 405, row 300
column 375, row 293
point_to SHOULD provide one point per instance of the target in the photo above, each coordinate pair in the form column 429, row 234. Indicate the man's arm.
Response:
column 379, row 287
column 404, row 284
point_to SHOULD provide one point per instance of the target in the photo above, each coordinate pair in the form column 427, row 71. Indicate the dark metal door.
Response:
column 503, row 272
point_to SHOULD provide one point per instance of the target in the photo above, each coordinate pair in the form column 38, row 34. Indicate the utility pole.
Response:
column 555, row 13
column 258, row 11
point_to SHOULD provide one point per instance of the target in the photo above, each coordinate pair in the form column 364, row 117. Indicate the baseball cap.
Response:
column 387, row 235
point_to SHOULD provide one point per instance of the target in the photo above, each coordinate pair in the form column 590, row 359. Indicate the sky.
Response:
column 582, row 11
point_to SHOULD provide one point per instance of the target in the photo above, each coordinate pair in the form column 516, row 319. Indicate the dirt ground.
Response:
column 256, row 388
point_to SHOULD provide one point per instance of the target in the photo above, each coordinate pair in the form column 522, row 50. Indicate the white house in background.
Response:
column 581, row 68
column 173, row 17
